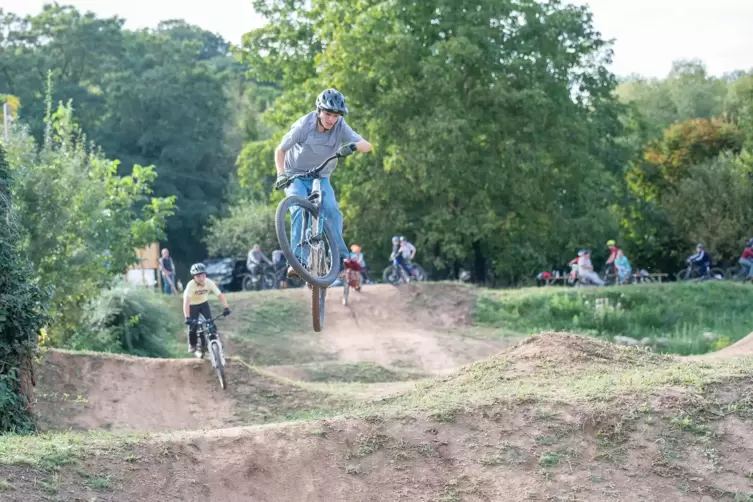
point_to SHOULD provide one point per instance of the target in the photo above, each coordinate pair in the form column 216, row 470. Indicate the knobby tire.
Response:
column 283, row 208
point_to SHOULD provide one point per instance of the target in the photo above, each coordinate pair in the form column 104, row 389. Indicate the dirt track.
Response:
column 393, row 327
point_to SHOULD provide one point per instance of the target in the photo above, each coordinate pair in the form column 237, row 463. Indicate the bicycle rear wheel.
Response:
column 311, row 271
column 318, row 299
column 346, row 290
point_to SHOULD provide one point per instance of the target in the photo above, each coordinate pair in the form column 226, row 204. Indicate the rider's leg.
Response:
column 748, row 263
column 334, row 216
column 193, row 313
column 299, row 188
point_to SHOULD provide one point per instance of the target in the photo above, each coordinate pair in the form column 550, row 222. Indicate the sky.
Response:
column 648, row 34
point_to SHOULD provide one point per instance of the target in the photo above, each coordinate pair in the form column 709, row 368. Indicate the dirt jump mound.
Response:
column 85, row 391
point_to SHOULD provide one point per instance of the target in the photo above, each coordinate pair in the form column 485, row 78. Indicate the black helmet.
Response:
column 331, row 100
column 198, row 268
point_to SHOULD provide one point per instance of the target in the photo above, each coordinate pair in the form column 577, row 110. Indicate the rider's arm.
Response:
column 350, row 136
column 187, row 299
column 214, row 289
column 412, row 251
column 223, row 300
column 295, row 135
column 264, row 257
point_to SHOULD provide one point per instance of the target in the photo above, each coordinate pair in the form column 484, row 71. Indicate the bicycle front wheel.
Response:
column 218, row 364
column 309, row 241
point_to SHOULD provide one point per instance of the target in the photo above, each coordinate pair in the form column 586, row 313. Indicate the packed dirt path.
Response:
column 421, row 329
column 406, row 327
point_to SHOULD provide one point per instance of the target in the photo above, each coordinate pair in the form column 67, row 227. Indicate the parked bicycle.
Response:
column 264, row 278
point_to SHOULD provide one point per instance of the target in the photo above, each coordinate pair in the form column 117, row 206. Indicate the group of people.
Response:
column 582, row 266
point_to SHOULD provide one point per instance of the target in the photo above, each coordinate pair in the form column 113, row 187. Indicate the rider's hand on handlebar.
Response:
column 189, row 321
column 282, row 179
column 226, row 312
column 346, row 150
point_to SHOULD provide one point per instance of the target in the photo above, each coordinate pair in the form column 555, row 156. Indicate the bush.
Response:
column 247, row 224
column 126, row 319
column 22, row 314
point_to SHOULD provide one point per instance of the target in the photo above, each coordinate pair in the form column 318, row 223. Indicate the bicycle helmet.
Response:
column 331, row 100
column 256, row 246
column 402, row 238
column 198, row 268
column 355, row 248
column 611, row 243
column 395, row 239
column 699, row 246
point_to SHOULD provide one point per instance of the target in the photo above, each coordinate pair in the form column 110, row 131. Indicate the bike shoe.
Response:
column 192, row 348
column 292, row 274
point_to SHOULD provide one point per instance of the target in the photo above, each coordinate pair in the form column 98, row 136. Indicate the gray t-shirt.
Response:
column 305, row 147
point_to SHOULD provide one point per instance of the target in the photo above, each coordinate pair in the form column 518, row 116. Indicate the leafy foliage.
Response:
column 81, row 221
column 247, row 224
column 126, row 319
column 22, row 315
column 428, row 84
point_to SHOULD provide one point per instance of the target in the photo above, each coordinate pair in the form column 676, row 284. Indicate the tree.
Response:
column 22, row 315
column 82, row 222
column 712, row 205
column 246, row 224
column 489, row 121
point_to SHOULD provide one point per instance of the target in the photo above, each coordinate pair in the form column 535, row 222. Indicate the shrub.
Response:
column 126, row 319
column 22, row 314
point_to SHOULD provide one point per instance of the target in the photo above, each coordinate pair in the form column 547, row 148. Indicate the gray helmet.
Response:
column 396, row 239
column 198, row 268
column 331, row 100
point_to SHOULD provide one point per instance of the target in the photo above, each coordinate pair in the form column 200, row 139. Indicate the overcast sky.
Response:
column 649, row 34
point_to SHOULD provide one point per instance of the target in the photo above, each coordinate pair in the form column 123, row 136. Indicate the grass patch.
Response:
column 100, row 484
column 5, row 486
column 273, row 328
column 51, row 451
column 629, row 372
column 676, row 313
column 364, row 372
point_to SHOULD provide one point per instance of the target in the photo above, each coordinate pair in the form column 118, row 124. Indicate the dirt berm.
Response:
column 559, row 417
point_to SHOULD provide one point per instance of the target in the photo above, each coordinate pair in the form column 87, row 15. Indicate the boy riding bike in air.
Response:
column 310, row 141
column 196, row 301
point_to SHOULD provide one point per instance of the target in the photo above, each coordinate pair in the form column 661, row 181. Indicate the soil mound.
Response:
column 86, row 391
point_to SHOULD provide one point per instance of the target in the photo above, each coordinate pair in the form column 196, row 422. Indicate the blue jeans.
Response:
column 166, row 288
column 748, row 263
column 329, row 208
column 405, row 265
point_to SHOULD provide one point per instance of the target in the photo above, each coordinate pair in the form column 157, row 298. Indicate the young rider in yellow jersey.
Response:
column 196, row 301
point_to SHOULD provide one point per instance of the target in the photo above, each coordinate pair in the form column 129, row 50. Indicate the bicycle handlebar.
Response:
column 343, row 152
column 205, row 321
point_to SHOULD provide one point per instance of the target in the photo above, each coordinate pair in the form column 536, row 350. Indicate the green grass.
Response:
column 363, row 372
column 629, row 372
column 679, row 313
column 51, row 451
